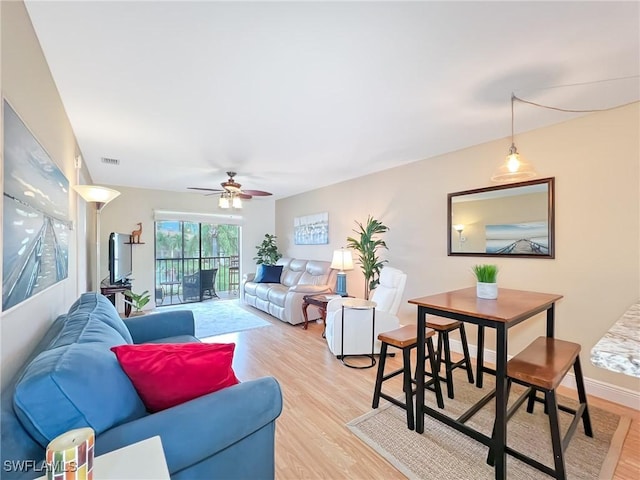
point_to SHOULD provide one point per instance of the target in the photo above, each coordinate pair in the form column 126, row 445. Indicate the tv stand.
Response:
column 110, row 292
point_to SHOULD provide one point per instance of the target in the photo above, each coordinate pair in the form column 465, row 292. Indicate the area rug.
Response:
column 442, row 452
column 218, row 317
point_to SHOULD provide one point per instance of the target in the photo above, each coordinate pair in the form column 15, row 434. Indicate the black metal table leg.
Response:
column 420, row 371
column 500, row 438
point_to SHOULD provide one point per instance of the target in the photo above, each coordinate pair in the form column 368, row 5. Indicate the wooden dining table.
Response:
column 510, row 308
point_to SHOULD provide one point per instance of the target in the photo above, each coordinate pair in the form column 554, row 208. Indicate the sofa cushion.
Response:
column 169, row 374
column 268, row 274
column 83, row 328
column 74, row 386
column 98, row 306
column 289, row 277
column 278, row 295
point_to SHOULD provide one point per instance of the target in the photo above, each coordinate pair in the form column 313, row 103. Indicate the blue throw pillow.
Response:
column 268, row 274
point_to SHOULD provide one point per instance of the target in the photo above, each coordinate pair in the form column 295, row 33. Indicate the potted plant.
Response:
column 137, row 300
column 367, row 246
column 486, row 276
column 267, row 253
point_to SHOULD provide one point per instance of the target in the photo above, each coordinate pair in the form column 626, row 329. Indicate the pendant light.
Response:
column 514, row 169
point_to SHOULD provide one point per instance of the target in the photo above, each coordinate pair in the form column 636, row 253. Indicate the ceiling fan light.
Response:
column 237, row 202
column 223, row 201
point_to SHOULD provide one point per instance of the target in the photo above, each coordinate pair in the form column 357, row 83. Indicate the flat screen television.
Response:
column 120, row 258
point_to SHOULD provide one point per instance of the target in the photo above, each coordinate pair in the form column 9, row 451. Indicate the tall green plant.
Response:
column 367, row 246
column 267, row 251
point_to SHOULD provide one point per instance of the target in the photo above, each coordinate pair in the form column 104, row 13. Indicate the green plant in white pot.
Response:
column 486, row 276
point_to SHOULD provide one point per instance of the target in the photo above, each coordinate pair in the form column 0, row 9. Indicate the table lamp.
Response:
column 342, row 260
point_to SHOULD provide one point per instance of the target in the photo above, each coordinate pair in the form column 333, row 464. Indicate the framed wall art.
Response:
column 311, row 229
column 35, row 215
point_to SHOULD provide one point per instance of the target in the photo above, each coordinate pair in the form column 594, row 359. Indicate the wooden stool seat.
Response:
column 444, row 326
column 541, row 367
column 544, row 363
column 405, row 338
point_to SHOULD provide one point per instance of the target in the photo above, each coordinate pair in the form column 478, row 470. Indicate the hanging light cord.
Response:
column 513, row 97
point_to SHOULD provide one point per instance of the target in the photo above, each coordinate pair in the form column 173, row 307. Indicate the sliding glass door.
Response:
column 195, row 261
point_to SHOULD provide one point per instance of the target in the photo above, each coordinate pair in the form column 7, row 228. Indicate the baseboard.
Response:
column 612, row 393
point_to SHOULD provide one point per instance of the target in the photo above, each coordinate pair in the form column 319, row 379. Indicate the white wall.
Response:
column 27, row 85
column 138, row 205
column 596, row 162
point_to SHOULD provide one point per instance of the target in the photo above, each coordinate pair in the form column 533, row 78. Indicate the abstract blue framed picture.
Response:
column 35, row 216
column 311, row 229
column 518, row 238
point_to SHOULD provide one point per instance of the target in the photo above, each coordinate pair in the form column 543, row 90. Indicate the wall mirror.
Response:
column 514, row 220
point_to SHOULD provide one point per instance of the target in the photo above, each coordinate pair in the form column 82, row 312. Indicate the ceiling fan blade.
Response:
column 206, row 189
column 257, row 193
column 244, row 195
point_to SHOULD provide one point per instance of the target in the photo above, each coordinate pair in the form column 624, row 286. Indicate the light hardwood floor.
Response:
column 321, row 396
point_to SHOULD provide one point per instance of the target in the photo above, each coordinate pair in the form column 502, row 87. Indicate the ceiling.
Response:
column 298, row 95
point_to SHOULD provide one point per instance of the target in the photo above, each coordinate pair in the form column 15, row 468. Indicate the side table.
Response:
column 110, row 291
column 321, row 301
column 359, row 304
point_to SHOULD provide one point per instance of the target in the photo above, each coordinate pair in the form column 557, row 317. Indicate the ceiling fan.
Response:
column 233, row 188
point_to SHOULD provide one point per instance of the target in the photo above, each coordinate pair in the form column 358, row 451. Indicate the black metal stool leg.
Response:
column 465, row 350
column 447, row 364
column 408, row 389
column 582, row 396
column 435, row 367
column 556, row 438
column 378, row 388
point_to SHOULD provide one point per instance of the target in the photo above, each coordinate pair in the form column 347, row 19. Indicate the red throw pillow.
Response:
column 168, row 374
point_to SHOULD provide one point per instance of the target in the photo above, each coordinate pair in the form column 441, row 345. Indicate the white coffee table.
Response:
column 139, row 461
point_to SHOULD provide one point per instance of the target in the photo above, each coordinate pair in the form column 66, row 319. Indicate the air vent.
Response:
column 110, row 161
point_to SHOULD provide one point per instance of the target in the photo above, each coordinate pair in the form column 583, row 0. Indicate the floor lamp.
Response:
column 100, row 196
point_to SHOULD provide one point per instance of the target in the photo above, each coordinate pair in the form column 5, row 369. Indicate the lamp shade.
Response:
column 514, row 168
column 96, row 193
column 342, row 260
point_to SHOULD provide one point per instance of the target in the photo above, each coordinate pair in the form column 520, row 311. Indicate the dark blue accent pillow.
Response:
column 268, row 274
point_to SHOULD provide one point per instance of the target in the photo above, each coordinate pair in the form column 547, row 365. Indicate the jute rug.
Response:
column 442, row 452
column 218, row 317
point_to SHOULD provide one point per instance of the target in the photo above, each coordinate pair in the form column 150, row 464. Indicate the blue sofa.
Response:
column 73, row 380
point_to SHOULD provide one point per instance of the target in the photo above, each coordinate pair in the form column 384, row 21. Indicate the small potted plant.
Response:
column 486, row 276
column 137, row 300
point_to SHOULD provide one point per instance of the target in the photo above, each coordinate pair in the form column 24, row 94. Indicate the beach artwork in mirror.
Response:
column 514, row 220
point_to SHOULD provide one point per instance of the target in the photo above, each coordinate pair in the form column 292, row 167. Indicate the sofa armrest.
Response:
column 151, row 327
column 200, row 428
column 248, row 277
column 307, row 288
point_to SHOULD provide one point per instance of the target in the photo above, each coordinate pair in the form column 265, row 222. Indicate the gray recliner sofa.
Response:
column 284, row 300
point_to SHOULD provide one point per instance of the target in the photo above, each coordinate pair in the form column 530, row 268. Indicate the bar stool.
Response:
column 405, row 338
column 234, row 274
column 541, row 367
column 444, row 326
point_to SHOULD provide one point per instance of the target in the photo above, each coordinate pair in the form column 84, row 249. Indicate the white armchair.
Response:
column 357, row 323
